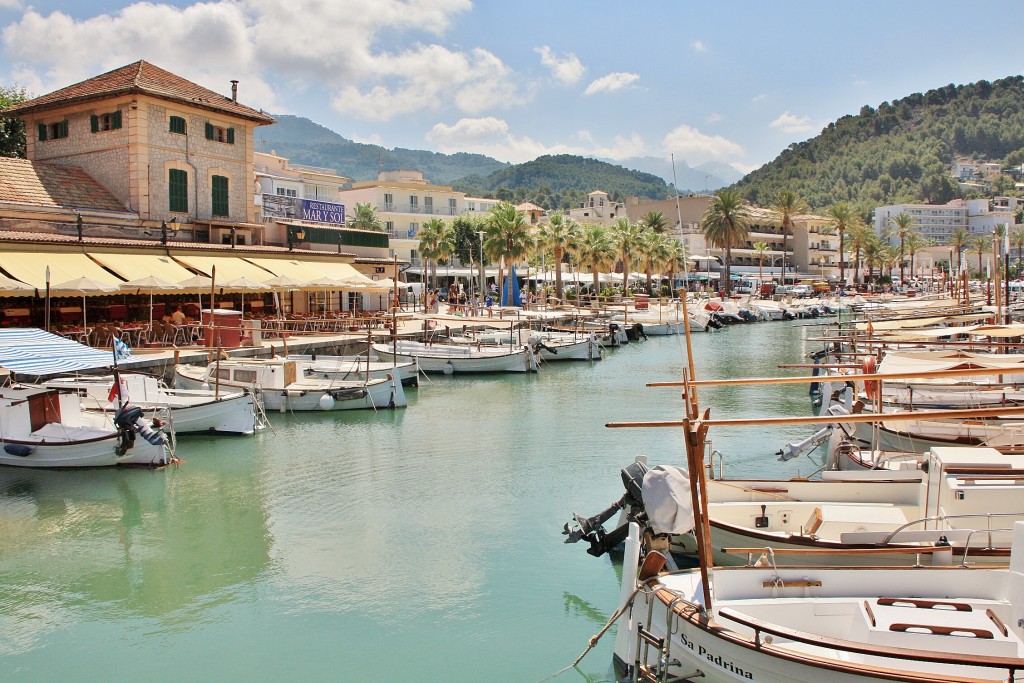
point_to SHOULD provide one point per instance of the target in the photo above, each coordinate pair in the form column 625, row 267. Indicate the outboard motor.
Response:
column 536, row 343
column 128, row 421
column 714, row 322
column 591, row 528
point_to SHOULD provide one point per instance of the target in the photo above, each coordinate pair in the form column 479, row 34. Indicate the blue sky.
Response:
column 726, row 82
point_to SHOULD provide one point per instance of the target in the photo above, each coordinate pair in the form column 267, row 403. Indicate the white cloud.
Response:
column 791, row 123
column 492, row 136
column 696, row 148
column 275, row 49
column 698, row 46
column 612, row 82
column 10, row 4
column 568, row 69
column 759, row 97
column 714, row 117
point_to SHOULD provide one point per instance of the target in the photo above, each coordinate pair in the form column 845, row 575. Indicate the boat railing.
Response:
column 754, row 554
column 759, row 627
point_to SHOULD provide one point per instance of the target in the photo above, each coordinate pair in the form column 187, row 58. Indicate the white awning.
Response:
column 30, row 267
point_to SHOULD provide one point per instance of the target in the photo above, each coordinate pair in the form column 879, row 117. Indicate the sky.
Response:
column 702, row 82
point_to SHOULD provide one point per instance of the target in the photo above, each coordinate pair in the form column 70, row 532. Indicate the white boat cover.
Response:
column 666, row 494
column 906, row 361
column 33, row 352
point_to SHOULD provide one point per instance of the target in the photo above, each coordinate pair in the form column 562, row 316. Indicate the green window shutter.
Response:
column 220, row 195
column 42, row 132
column 94, row 123
column 64, row 128
column 231, row 136
column 177, row 125
column 177, row 187
column 115, row 119
column 209, row 131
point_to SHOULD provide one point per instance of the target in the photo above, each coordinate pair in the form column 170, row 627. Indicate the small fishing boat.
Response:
column 460, row 358
column 549, row 344
column 191, row 411
column 281, row 385
column 46, row 427
column 964, row 499
column 350, row 368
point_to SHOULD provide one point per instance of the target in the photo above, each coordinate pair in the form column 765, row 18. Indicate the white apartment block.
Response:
column 938, row 221
column 599, row 209
column 404, row 200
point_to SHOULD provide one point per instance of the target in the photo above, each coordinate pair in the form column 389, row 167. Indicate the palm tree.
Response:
column 437, row 242
column 843, row 216
column 365, row 218
column 981, row 244
column 788, row 204
column 760, row 248
column 958, row 241
column 555, row 236
column 655, row 220
column 860, row 236
column 872, row 255
column 507, row 237
column 1018, row 238
column 915, row 242
column 627, row 242
column 726, row 223
column 654, row 251
column 676, row 259
column 903, row 222
column 593, row 245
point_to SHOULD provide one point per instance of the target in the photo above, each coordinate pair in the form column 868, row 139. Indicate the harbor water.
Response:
column 416, row 545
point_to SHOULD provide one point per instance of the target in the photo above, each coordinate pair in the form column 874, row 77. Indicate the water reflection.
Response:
column 113, row 544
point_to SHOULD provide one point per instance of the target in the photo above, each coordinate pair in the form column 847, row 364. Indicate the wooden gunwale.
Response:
column 717, row 630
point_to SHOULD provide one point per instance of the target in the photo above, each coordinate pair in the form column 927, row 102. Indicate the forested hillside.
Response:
column 563, row 181
column 305, row 142
column 901, row 151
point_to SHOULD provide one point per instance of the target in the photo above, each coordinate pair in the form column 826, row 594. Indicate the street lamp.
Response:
column 78, row 224
column 480, row 235
column 233, row 236
column 294, row 236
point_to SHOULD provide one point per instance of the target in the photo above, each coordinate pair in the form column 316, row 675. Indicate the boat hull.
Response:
column 82, row 448
column 434, row 362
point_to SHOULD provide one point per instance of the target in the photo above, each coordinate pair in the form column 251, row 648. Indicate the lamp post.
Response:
column 78, row 224
column 233, row 236
column 480, row 235
column 163, row 233
column 294, row 236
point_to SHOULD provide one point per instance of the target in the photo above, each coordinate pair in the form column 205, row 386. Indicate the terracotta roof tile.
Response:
column 143, row 78
column 33, row 182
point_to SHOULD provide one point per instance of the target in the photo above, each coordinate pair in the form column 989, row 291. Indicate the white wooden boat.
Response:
column 44, row 427
column 548, row 344
column 280, row 385
column 195, row 411
column 352, row 368
column 459, row 358
column 807, row 624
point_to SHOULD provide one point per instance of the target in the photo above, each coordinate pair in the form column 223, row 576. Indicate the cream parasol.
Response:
column 84, row 286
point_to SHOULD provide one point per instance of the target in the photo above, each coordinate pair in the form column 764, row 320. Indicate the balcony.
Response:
column 418, row 209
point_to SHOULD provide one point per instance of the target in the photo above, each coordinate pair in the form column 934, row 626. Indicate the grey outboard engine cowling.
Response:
column 592, row 529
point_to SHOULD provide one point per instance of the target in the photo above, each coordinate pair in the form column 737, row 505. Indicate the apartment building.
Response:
column 404, row 200
column 937, row 222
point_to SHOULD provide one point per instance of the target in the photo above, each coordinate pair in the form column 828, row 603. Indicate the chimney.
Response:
column 234, row 91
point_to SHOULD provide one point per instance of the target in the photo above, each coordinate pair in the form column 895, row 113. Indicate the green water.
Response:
column 417, row 545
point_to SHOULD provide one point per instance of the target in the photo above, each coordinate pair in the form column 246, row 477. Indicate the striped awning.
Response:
column 30, row 352
column 138, row 266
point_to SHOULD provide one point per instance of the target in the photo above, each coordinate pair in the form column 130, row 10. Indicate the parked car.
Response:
column 802, row 291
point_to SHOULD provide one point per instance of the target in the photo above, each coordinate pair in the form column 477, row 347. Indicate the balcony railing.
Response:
column 418, row 209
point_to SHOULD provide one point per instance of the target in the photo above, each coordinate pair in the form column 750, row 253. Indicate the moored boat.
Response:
column 460, row 358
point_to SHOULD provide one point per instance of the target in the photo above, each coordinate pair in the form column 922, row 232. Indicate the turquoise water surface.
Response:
column 416, row 545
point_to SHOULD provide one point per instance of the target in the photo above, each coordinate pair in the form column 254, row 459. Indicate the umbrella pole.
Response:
column 84, row 326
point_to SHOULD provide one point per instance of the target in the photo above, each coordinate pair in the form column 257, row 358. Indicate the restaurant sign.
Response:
column 320, row 212
column 277, row 206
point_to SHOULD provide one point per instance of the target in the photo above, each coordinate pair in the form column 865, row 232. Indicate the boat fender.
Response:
column 449, row 369
column 18, row 449
column 870, row 387
column 326, row 402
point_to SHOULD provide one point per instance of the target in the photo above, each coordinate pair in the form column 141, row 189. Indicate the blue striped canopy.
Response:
column 32, row 352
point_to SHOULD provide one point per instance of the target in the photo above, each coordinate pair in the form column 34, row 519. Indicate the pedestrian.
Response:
column 489, row 302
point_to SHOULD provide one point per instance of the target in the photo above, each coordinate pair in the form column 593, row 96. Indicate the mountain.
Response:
column 562, row 181
column 304, row 142
column 903, row 151
column 703, row 178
